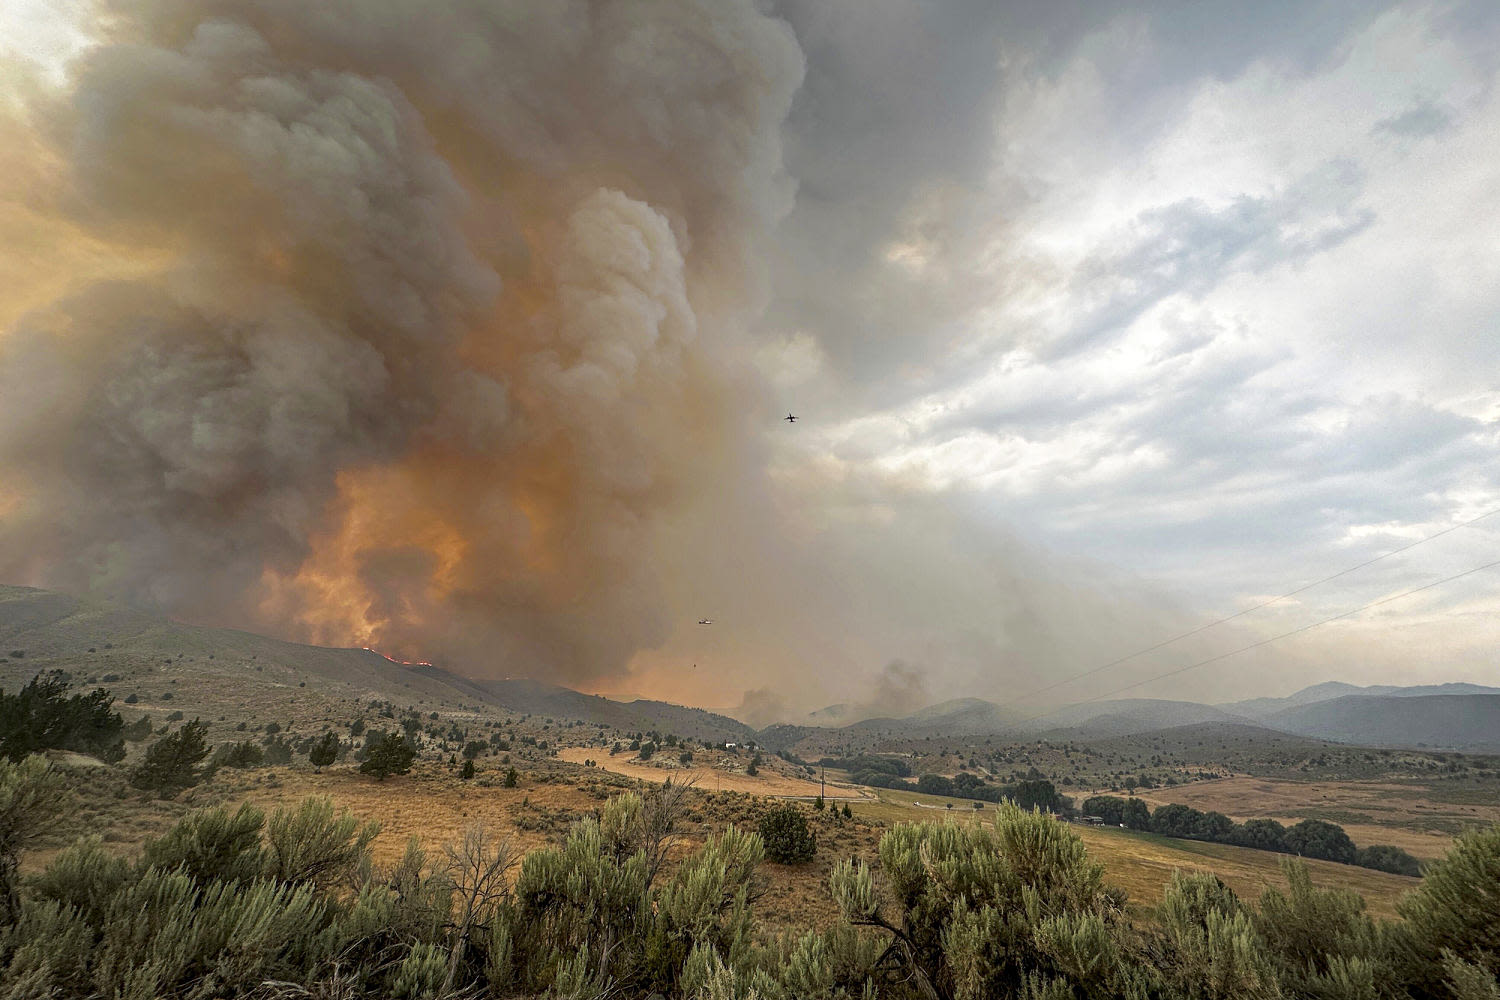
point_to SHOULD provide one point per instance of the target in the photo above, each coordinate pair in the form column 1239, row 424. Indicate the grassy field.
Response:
column 1142, row 863
column 1410, row 816
column 435, row 807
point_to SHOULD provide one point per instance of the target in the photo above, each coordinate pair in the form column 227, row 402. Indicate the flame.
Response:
column 402, row 663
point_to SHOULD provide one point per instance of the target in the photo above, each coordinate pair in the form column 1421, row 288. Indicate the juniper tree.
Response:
column 387, row 755
column 43, row 716
column 787, row 839
column 171, row 763
column 325, row 751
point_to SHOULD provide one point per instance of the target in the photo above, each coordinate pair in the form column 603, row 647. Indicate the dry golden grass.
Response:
column 767, row 782
column 1371, row 812
column 1142, row 864
column 433, row 805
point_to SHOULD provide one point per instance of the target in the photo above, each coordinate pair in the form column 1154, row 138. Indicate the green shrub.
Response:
column 29, row 800
column 1208, row 948
column 788, row 841
column 84, row 876
column 310, row 844
column 977, row 911
column 1453, row 918
column 237, row 755
column 212, row 844
column 1321, row 942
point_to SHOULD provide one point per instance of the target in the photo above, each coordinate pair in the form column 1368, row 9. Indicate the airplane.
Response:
column 790, row 419
column 705, row 621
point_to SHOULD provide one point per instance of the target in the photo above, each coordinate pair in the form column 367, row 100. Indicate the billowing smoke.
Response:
column 435, row 327
column 435, row 323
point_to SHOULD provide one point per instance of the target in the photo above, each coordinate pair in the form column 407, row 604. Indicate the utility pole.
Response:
column 823, row 781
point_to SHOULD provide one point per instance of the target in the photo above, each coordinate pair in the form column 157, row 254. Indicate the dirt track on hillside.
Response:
column 711, row 779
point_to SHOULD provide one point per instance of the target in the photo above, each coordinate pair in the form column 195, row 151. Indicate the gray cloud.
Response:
column 438, row 325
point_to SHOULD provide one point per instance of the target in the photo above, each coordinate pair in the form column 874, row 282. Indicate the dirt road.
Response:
column 710, row 778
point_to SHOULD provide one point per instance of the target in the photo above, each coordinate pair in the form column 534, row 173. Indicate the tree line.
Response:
column 1033, row 792
column 1311, row 838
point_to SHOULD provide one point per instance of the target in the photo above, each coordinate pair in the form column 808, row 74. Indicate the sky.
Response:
column 1101, row 321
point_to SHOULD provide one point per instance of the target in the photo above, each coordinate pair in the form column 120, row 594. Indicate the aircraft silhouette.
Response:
column 705, row 621
column 791, row 419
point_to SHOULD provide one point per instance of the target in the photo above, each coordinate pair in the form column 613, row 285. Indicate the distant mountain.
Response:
column 1128, row 716
column 1440, row 721
column 964, row 716
column 1261, row 708
column 642, row 715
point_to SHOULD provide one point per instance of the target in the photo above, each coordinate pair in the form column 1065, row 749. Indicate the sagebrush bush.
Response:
column 231, row 904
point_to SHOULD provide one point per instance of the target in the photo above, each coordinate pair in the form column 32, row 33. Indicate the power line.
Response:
column 1283, row 635
column 1240, row 614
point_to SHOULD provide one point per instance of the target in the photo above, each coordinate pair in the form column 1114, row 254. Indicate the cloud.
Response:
column 464, row 329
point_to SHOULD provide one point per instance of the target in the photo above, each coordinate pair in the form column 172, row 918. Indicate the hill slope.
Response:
column 1260, row 708
column 166, row 666
column 1454, row 722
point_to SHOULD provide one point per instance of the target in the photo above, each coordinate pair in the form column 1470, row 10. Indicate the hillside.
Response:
column 167, row 666
column 1454, row 722
column 1131, row 715
column 1260, row 708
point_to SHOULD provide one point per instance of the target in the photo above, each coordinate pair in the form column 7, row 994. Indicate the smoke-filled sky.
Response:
column 463, row 328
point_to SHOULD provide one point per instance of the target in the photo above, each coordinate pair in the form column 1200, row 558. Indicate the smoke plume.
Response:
column 437, row 322
column 434, row 327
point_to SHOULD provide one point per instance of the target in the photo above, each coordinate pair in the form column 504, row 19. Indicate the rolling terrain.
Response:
column 167, row 666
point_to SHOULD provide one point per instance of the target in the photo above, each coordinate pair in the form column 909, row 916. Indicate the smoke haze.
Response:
column 462, row 329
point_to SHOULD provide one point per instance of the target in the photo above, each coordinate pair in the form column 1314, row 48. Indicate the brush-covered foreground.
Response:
column 295, row 903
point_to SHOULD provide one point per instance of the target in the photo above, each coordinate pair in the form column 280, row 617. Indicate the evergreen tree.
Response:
column 467, row 772
column 325, row 751
column 388, row 755
column 787, row 839
column 171, row 763
column 512, row 779
column 42, row 716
